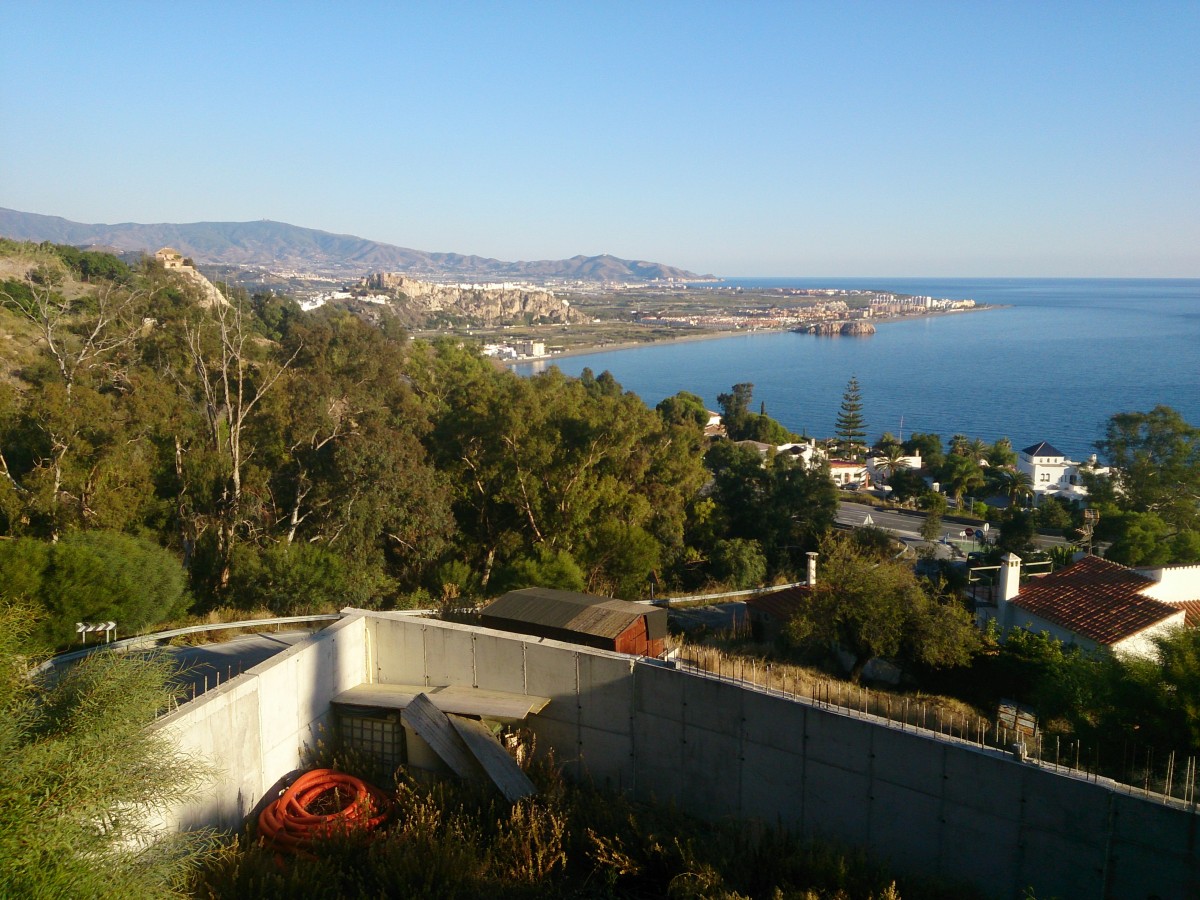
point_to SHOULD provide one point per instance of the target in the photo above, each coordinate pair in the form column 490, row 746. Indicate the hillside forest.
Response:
column 297, row 461
column 161, row 452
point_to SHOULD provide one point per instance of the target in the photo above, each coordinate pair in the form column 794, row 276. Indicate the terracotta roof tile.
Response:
column 1191, row 609
column 1095, row 598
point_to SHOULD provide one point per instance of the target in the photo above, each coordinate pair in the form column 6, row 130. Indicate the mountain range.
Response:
column 279, row 246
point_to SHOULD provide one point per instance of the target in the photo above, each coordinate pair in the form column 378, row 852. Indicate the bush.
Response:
column 298, row 579
column 93, row 576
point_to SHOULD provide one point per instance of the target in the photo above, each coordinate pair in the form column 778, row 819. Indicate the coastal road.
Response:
column 906, row 524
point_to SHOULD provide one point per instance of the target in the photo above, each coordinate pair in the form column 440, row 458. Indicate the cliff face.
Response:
column 483, row 304
column 854, row 329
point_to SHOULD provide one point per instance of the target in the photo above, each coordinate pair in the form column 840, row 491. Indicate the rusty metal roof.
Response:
column 580, row 613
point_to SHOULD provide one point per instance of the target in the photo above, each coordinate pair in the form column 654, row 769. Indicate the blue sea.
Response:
column 1051, row 364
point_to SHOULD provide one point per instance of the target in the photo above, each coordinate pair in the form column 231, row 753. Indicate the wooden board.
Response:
column 499, row 706
column 501, row 768
column 432, row 726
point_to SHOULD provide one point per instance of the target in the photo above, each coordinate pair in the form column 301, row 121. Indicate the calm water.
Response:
column 1064, row 356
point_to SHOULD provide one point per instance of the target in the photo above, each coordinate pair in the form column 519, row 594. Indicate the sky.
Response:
column 958, row 139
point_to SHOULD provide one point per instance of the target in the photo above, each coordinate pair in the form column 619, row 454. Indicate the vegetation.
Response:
column 81, row 777
column 1150, row 508
column 451, row 841
column 850, row 432
column 871, row 605
column 299, row 461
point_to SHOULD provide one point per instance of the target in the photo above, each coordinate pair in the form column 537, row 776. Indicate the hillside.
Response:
column 277, row 245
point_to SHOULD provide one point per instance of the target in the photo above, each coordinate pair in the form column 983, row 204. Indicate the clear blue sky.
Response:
column 924, row 139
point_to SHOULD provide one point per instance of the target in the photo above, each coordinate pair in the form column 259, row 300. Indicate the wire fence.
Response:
column 1166, row 777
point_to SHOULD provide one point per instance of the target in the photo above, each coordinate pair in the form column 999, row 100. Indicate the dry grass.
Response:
column 754, row 664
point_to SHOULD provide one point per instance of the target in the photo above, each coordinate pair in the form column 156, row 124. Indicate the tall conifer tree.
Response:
column 851, row 431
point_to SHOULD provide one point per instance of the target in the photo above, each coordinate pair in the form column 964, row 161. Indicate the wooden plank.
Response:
column 501, row 768
column 432, row 726
column 501, row 706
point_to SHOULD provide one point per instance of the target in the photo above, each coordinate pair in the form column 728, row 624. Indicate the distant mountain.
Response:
column 276, row 245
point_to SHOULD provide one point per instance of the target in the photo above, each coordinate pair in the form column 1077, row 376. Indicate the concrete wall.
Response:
column 252, row 730
column 718, row 749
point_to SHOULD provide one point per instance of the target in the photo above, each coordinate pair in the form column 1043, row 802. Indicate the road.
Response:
column 906, row 524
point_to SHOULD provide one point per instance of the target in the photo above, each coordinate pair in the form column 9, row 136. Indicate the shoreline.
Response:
column 718, row 335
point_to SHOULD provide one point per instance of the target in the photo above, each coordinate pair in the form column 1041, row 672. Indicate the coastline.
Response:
column 718, row 335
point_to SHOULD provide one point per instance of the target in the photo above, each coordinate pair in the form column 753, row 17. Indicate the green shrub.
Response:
column 93, row 576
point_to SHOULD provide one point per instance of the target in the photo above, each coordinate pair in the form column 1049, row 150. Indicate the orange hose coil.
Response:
column 287, row 824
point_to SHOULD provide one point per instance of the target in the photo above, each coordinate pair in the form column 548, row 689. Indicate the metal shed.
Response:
column 599, row 622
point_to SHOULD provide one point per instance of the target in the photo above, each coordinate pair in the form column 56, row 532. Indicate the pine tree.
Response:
column 851, row 431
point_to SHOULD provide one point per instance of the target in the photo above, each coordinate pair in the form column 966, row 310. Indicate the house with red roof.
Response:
column 1098, row 603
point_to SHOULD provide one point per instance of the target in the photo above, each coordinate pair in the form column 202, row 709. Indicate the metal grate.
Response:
column 374, row 733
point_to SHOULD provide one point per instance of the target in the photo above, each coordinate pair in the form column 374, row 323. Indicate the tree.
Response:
column 875, row 607
column 735, row 409
column 82, row 776
column 1156, row 461
column 1012, row 484
column 851, row 430
column 960, row 474
column 891, row 461
column 1001, row 454
column 92, row 576
column 929, row 446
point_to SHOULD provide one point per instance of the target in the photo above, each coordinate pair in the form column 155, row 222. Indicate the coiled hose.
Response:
column 288, row 825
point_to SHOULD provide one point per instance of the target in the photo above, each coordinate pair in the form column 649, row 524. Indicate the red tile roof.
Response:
column 1191, row 609
column 779, row 605
column 1095, row 598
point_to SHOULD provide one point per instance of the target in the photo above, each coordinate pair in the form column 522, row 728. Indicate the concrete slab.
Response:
column 608, row 757
column 399, row 651
column 774, row 721
column 658, row 692
column 500, row 663
column 837, row 740
column 715, row 706
column 449, row 654
column 907, row 760
column 983, row 782
column 772, row 789
column 835, row 801
column 980, row 849
column 1058, row 867
column 905, row 825
column 606, row 692
column 551, row 672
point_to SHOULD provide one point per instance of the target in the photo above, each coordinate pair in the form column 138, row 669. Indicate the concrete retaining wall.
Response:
column 720, row 749
column 717, row 749
column 252, row 730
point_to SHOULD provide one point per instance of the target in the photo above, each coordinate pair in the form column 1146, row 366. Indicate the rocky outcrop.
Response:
column 830, row 329
column 481, row 304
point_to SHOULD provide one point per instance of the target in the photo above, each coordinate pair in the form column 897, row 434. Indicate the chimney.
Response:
column 812, row 568
column 1010, row 586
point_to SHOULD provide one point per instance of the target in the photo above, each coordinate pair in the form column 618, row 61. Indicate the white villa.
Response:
column 1053, row 475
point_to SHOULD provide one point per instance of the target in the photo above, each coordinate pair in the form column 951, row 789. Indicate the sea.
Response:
column 1051, row 361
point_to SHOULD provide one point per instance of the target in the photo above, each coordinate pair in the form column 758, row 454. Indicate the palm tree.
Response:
column 976, row 450
column 1014, row 484
column 890, row 460
column 961, row 474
